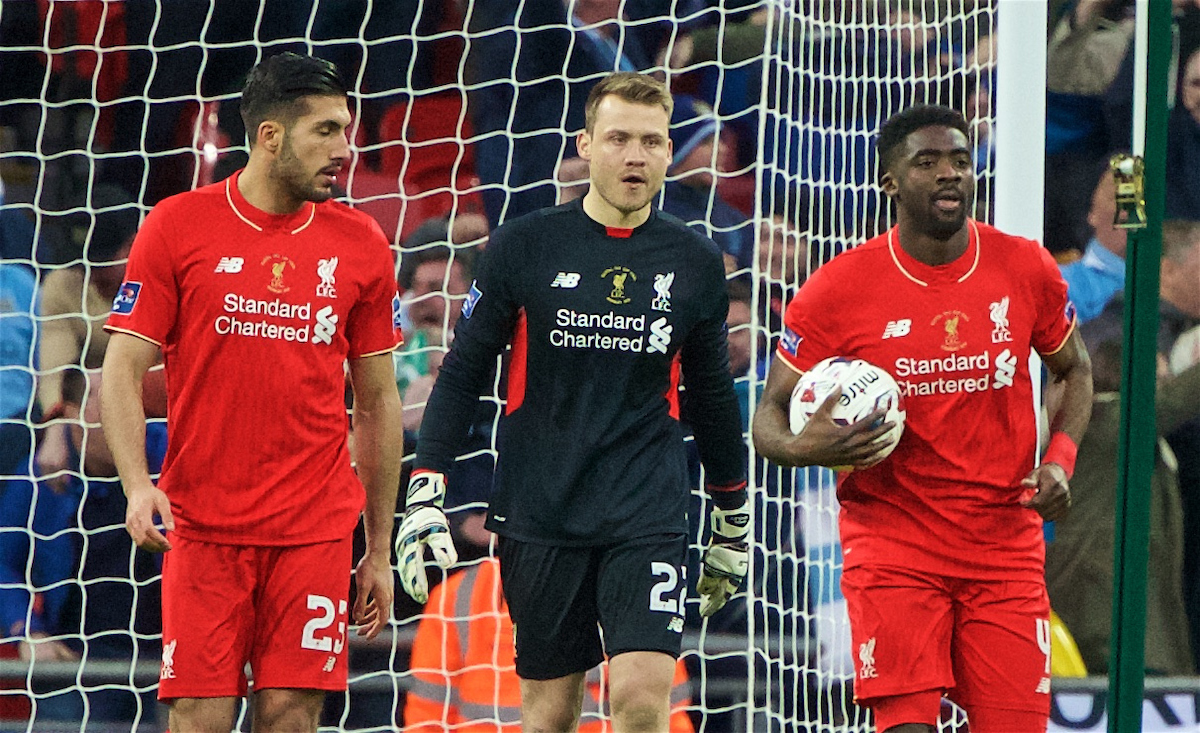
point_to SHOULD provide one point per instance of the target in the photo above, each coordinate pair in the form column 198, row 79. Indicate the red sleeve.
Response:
column 1055, row 312
column 148, row 301
column 805, row 340
column 373, row 326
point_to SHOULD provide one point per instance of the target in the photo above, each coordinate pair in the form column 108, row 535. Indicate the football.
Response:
column 864, row 386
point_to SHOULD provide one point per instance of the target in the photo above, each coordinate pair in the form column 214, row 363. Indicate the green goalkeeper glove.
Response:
column 424, row 524
column 724, row 564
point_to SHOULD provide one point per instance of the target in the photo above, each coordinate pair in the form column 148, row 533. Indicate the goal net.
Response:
column 465, row 115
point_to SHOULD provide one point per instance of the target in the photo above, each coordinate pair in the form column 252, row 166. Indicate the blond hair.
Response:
column 630, row 86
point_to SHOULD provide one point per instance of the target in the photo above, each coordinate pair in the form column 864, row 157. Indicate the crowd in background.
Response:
column 90, row 141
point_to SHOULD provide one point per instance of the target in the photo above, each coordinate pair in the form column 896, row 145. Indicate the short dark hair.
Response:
column 1178, row 238
column 630, row 86
column 410, row 260
column 739, row 290
column 109, row 226
column 897, row 128
column 275, row 87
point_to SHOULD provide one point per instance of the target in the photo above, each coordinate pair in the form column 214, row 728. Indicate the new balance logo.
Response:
column 230, row 264
column 329, row 663
column 896, row 329
column 1043, row 687
column 565, row 280
column 676, row 625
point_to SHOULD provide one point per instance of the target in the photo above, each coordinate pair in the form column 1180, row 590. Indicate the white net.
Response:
column 465, row 116
column 834, row 74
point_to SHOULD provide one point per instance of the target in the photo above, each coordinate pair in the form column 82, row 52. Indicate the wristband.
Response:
column 1062, row 451
column 728, row 496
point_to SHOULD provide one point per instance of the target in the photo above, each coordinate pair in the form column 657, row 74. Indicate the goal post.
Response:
column 1154, row 49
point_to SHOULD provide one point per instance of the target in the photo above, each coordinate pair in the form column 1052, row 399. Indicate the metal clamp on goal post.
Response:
column 1129, row 175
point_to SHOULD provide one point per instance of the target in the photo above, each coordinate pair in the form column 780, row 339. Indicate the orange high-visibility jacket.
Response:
column 463, row 672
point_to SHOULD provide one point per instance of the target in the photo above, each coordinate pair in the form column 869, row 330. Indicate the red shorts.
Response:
column 282, row 609
column 985, row 643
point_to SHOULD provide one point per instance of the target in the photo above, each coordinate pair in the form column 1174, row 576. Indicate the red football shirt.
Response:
column 256, row 314
column 957, row 338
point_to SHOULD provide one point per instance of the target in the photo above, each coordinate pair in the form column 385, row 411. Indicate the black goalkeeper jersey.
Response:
column 604, row 324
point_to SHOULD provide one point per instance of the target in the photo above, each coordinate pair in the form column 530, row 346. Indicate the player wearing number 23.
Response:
column 944, row 556
column 258, row 289
column 608, row 304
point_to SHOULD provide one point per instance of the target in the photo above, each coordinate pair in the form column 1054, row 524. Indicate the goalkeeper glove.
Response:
column 424, row 524
column 725, row 559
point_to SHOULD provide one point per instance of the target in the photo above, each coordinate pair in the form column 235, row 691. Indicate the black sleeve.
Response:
column 484, row 329
column 710, row 405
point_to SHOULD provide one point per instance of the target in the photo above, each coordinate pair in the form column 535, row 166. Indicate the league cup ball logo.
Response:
column 864, row 388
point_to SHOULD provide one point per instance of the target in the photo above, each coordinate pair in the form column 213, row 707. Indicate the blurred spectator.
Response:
column 464, row 673
column 564, row 48
column 571, row 179
column 718, row 56
column 18, row 362
column 75, row 303
column 729, row 43
column 436, row 272
column 1178, row 312
column 435, row 282
column 690, row 192
column 17, row 230
column 1118, row 98
column 784, row 262
column 25, row 616
column 117, row 618
column 396, row 35
column 743, row 342
column 1095, row 278
column 1087, row 43
column 979, row 111
column 1079, row 570
column 1183, row 146
column 741, row 338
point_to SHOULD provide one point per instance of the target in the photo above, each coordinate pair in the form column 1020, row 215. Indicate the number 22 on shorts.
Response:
column 660, row 599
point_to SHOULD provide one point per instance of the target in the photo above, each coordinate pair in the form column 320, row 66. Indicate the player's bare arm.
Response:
column 379, row 445
column 126, row 362
column 822, row 442
column 1071, row 368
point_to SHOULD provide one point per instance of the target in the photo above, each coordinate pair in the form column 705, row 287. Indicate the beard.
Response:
column 296, row 181
column 943, row 228
column 930, row 220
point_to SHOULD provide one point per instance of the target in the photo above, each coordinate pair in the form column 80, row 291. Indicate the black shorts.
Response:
column 561, row 597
